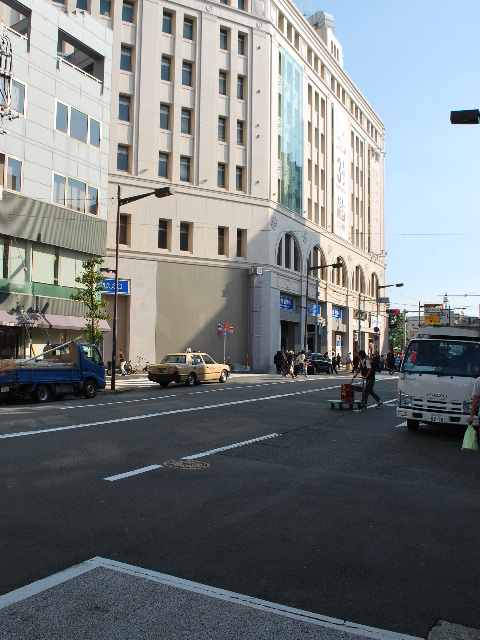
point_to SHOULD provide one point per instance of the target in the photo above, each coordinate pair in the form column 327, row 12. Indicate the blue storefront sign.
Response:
column 123, row 287
column 286, row 304
column 336, row 313
column 311, row 309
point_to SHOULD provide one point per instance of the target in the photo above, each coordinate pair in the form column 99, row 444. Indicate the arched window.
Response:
column 288, row 253
column 374, row 285
column 358, row 280
column 339, row 276
column 316, row 258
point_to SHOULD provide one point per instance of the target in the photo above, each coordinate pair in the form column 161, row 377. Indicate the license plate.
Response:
column 4, row 389
column 436, row 417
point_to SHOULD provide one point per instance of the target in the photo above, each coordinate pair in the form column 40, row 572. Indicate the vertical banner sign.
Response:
column 341, row 171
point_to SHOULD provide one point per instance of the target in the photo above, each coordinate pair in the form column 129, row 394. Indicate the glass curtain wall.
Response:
column 291, row 136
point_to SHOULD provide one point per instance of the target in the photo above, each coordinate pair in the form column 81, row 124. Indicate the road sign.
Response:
column 376, row 337
column 383, row 300
column 219, row 326
column 231, row 328
column 220, row 332
column 224, row 326
column 376, row 329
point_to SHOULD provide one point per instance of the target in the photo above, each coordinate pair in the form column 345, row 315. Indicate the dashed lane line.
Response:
column 127, row 474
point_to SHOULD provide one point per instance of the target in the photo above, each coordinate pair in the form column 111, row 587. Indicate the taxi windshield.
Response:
column 443, row 357
column 174, row 359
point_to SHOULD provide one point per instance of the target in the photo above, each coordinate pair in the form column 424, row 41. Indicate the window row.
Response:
column 225, row 35
column 223, row 130
column 105, row 8
column 186, row 238
column 188, row 28
column 166, row 120
column 74, row 194
column 77, row 124
column 164, row 171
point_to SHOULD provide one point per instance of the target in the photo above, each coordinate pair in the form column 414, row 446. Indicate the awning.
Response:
column 75, row 323
column 22, row 319
column 47, row 321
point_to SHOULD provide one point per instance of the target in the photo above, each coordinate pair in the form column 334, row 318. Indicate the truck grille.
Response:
column 436, row 406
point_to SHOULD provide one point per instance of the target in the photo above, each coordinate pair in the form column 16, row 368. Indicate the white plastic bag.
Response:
column 470, row 439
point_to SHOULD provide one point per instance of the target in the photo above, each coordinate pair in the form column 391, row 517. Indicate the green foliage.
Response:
column 90, row 295
column 395, row 334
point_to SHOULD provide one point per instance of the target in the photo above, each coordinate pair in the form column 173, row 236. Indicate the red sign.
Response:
column 231, row 328
column 224, row 325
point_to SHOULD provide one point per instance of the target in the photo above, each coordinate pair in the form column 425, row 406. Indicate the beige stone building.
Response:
column 277, row 160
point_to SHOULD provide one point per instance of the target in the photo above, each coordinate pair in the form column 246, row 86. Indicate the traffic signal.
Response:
column 393, row 315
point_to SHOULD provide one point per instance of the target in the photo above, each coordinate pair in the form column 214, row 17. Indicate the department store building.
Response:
column 277, row 160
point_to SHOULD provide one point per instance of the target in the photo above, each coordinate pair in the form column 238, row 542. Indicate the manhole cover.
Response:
column 186, row 464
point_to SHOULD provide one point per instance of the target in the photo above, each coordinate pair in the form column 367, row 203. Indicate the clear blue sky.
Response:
column 414, row 62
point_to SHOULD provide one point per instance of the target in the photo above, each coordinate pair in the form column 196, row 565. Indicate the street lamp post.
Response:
column 158, row 193
column 337, row 265
column 386, row 286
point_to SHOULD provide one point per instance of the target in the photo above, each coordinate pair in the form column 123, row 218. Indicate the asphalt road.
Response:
column 345, row 514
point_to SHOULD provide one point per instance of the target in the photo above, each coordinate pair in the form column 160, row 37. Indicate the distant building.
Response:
column 278, row 164
column 54, row 170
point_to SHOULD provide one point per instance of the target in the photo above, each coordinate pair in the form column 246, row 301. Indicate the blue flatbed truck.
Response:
column 62, row 369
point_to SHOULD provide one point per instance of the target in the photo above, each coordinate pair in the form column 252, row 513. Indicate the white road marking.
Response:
column 403, row 424
column 230, row 446
column 158, row 414
column 133, row 473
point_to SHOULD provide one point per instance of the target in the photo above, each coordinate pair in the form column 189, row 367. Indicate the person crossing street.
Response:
column 367, row 372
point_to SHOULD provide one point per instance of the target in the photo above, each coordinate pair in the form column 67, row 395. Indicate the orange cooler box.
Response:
column 347, row 393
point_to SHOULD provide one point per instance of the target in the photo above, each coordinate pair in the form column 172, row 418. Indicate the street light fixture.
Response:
column 468, row 116
column 162, row 192
column 337, row 265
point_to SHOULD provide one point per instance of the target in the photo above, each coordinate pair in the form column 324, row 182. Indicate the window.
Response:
column 188, row 29
column 59, row 189
column 240, row 132
column 105, row 8
column 92, row 200
column 241, row 44
column 163, row 165
column 123, row 230
column 239, row 179
column 184, row 236
column 186, row 123
column 222, row 83
column 94, row 133
column 124, row 108
column 122, row 158
column 241, row 243
column 13, row 179
column 76, row 195
column 167, row 23
column 222, row 129
column 61, row 123
column 223, row 39
column 166, row 68
column 221, row 175
column 223, row 1
column 165, row 116
column 290, row 259
column 221, row 241
column 184, row 169
column 82, row 5
column 240, row 87
column 17, row 101
column 125, row 59
column 241, row 5
column 127, row 11
column 78, row 125
column 163, row 234
column 187, row 74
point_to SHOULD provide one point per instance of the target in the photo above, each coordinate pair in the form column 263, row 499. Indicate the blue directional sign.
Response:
column 123, row 286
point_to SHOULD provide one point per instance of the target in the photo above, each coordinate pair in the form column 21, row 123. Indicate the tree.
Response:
column 395, row 333
column 90, row 295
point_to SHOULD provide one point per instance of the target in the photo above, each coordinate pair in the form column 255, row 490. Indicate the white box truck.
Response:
column 437, row 375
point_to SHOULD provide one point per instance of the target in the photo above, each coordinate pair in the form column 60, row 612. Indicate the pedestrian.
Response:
column 302, row 362
column 291, row 364
column 356, row 360
column 277, row 361
column 348, row 361
column 367, row 372
column 121, row 359
column 285, row 365
column 334, row 364
column 339, row 361
column 475, row 403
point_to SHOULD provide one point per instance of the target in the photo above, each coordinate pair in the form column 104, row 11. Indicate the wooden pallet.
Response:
column 350, row 404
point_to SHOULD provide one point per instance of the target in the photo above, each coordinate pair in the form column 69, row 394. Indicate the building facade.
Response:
column 54, row 150
column 277, row 160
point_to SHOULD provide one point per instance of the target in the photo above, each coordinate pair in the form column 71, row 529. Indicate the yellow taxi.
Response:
column 190, row 367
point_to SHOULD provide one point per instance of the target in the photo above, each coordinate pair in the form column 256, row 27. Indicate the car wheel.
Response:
column 164, row 384
column 42, row 393
column 413, row 425
column 90, row 388
column 191, row 380
column 223, row 376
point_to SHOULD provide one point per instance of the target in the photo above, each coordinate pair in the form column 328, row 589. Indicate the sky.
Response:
column 414, row 62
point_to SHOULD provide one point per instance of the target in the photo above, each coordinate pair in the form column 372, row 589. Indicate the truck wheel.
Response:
column 90, row 388
column 413, row 425
column 191, row 380
column 164, row 385
column 42, row 393
column 223, row 376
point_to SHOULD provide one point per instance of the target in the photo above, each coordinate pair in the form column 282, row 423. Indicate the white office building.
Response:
column 277, row 160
